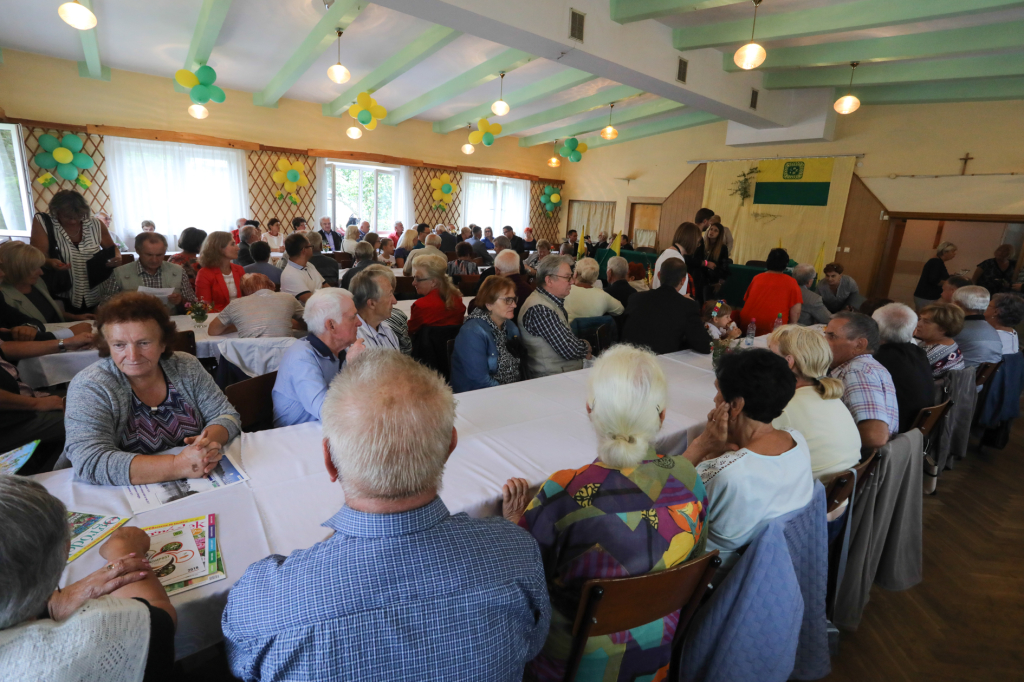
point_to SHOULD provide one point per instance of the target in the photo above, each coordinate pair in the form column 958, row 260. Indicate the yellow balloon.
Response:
column 371, row 125
column 363, row 100
column 62, row 155
column 445, row 179
column 377, row 111
column 483, row 125
column 186, row 78
column 283, row 165
column 581, row 147
column 555, row 198
column 279, row 177
column 297, row 166
column 289, row 187
column 437, row 194
column 436, row 183
column 303, row 181
column 354, row 110
column 476, row 137
column 446, row 198
column 296, row 197
column 495, row 129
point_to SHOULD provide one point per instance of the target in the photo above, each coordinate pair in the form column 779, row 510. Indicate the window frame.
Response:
column 25, row 179
column 378, row 170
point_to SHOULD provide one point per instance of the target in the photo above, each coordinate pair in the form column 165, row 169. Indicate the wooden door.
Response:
column 643, row 225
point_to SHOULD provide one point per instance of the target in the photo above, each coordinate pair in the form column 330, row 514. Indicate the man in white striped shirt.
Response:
column 373, row 291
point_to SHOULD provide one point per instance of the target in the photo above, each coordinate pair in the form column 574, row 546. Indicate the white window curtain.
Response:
column 405, row 210
column 176, row 186
column 592, row 217
column 493, row 201
column 322, row 201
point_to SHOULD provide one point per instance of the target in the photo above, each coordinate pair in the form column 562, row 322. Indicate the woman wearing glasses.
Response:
column 488, row 347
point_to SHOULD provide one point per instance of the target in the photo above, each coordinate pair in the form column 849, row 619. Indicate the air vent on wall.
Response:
column 681, row 73
column 753, row 98
column 576, row 25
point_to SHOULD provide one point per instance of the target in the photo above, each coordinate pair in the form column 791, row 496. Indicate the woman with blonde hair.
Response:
column 348, row 245
column 604, row 520
column 219, row 280
column 23, row 287
column 440, row 303
column 406, row 245
column 815, row 409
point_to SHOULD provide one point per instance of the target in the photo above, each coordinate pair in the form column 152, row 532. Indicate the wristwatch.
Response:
column 60, row 346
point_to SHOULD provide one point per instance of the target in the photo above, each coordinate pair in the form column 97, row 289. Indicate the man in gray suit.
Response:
column 813, row 310
column 978, row 341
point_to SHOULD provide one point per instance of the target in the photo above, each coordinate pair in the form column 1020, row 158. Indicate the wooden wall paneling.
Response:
column 682, row 204
column 644, row 217
column 865, row 232
column 98, row 194
column 962, row 217
column 890, row 254
column 544, row 226
column 423, row 200
column 263, row 202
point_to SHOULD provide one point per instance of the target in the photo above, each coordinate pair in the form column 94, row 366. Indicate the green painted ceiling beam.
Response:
column 204, row 37
column 340, row 15
column 959, row 41
column 989, row 66
column 582, row 105
column 834, row 18
column 508, row 60
column 627, row 11
column 565, row 80
column 636, row 113
column 947, row 91
column 426, row 44
column 690, row 119
column 91, row 67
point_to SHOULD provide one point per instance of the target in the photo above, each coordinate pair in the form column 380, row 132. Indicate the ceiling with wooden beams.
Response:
column 428, row 64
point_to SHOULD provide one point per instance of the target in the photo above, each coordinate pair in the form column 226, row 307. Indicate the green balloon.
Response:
column 549, row 190
column 575, row 156
column 216, row 94
column 564, row 152
column 48, row 142
column 548, row 205
column 200, row 94
column 292, row 175
column 488, row 139
column 46, row 160
column 572, row 143
column 364, row 117
column 71, row 142
column 446, row 188
column 206, row 75
column 82, row 161
column 67, row 171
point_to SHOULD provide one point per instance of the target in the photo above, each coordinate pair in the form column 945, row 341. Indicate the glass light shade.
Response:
column 500, row 108
column 750, row 56
column 609, row 133
column 354, row 132
column 339, row 74
column 198, row 111
column 554, row 162
column 847, row 104
column 468, row 148
column 77, row 15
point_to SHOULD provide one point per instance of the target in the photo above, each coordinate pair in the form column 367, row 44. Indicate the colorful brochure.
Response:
column 143, row 498
column 203, row 530
column 88, row 530
column 11, row 461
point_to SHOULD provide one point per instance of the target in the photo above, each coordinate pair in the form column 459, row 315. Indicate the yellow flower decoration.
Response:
column 367, row 111
column 443, row 189
column 292, row 176
column 486, row 132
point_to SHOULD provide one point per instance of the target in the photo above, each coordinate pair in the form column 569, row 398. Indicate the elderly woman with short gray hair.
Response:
column 116, row 624
column 1004, row 312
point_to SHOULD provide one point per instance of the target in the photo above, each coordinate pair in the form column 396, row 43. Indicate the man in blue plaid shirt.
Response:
column 402, row 590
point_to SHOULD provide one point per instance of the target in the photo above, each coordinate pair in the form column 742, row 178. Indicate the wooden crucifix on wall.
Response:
column 966, row 159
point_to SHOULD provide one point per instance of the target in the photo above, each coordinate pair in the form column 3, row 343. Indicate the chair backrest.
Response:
column 929, row 417
column 866, row 470
column 618, row 604
column 344, row 260
column 430, row 347
column 606, row 334
column 185, row 342
column 451, row 256
column 841, row 487
column 756, row 264
column 254, row 401
column 127, row 258
column 469, row 284
column 404, row 290
column 479, row 261
column 451, row 350
column 984, row 372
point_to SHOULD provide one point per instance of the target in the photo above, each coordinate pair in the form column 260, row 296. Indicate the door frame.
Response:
column 629, row 213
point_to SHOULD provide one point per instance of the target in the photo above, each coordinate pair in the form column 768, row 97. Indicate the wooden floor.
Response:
column 965, row 621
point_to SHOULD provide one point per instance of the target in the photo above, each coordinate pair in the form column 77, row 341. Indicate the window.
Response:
column 15, row 190
column 363, row 193
column 493, row 201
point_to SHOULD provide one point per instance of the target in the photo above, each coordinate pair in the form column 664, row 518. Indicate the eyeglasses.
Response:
column 422, row 279
column 509, row 300
column 565, row 277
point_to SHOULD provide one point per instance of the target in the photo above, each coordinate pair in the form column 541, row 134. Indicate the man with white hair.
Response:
column 364, row 229
column 329, row 236
column 586, row 301
column 906, row 361
column 448, row 239
column 247, row 236
column 617, row 272
column 396, row 234
column 502, row 244
column 813, row 310
column 432, row 248
column 978, row 340
column 506, row 264
column 309, row 365
column 544, row 323
column 401, row 589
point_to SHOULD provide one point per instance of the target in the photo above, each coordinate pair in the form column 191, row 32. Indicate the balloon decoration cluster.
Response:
column 443, row 190
column 486, row 132
column 551, row 199
column 367, row 111
column 573, row 150
column 66, row 156
column 201, row 84
column 292, row 176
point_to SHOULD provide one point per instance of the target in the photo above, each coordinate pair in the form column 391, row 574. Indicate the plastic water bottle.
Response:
column 777, row 323
column 748, row 340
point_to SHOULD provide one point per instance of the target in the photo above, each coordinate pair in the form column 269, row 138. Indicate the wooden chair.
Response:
column 985, row 372
column 404, row 290
column 618, row 604
column 344, row 260
column 756, row 264
column 451, row 256
column 479, row 261
column 185, row 342
column 468, row 284
column 842, row 486
column 606, row 337
column 930, row 417
column 127, row 258
column 254, row 401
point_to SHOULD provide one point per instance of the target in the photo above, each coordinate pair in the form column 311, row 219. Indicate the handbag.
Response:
column 96, row 267
column 57, row 281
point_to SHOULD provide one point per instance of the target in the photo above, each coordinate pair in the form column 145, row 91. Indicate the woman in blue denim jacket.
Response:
column 482, row 356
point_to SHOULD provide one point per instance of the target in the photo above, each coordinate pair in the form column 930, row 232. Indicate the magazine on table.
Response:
column 149, row 496
column 11, row 461
column 204, row 533
column 88, row 530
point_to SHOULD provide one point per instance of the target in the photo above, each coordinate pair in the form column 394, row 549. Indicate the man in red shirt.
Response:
column 770, row 294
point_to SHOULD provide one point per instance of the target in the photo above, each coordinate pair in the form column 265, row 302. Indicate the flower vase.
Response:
column 199, row 320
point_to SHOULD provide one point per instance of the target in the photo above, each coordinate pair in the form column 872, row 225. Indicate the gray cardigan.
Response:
column 99, row 401
column 813, row 310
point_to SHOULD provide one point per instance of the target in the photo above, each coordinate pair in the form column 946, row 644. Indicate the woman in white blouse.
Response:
column 348, row 245
column 274, row 237
column 768, row 474
column 816, row 410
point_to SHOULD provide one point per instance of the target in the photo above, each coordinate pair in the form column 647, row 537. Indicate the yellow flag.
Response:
column 780, row 242
column 581, row 251
column 819, row 262
column 616, row 244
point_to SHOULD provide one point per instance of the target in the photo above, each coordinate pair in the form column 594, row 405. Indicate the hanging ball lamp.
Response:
column 77, row 15
column 354, row 132
column 751, row 55
column 468, row 148
column 198, row 111
column 608, row 132
column 554, row 161
column 848, row 103
column 338, row 73
column 500, row 108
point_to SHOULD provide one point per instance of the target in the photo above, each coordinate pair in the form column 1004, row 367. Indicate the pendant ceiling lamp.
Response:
column 500, row 108
column 354, row 132
column 608, row 132
column 338, row 73
column 848, row 104
column 77, row 15
column 468, row 148
column 751, row 55
column 198, row 111
column 554, row 161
